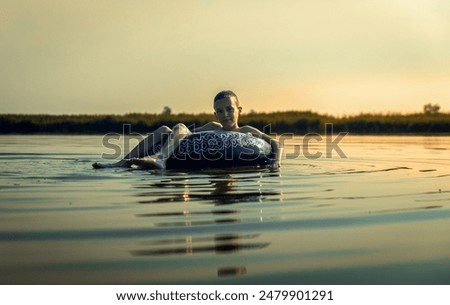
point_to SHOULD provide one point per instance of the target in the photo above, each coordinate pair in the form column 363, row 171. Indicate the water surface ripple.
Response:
column 379, row 216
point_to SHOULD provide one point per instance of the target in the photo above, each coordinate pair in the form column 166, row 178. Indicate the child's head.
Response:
column 227, row 94
column 227, row 109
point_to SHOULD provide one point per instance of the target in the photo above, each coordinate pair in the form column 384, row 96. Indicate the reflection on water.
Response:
column 221, row 244
column 222, row 191
column 231, row 271
column 381, row 216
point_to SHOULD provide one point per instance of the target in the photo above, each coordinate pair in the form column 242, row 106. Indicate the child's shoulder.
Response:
column 214, row 125
column 248, row 128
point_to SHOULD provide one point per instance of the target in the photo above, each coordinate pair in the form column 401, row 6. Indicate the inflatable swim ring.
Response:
column 220, row 149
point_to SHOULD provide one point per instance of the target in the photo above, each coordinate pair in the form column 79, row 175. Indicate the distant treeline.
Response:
column 280, row 122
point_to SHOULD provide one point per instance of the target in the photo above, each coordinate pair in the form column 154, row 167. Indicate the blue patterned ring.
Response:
column 220, row 149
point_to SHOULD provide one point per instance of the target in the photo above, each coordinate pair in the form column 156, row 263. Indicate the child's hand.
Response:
column 275, row 165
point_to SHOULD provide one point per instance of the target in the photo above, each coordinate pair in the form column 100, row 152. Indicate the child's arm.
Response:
column 209, row 126
column 276, row 149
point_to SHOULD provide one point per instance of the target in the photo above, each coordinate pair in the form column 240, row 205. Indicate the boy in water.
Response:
column 226, row 110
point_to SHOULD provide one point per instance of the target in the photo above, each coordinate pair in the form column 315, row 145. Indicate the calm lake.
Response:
column 379, row 216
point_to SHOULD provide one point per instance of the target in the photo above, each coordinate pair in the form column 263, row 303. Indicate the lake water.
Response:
column 379, row 216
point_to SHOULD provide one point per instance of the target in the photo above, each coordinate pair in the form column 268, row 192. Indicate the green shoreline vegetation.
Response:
column 296, row 122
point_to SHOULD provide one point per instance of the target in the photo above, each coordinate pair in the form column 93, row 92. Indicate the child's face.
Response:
column 227, row 112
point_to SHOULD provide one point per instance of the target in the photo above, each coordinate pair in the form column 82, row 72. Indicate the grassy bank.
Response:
column 280, row 122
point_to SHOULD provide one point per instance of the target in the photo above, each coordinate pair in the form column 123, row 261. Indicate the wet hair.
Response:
column 225, row 94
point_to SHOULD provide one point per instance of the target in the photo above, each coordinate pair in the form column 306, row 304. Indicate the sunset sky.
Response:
column 329, row 56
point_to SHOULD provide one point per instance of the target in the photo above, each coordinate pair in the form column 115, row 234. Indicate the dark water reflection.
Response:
column 220, row 244
column 224, row 193
column 379, row 217
column 217, row 189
